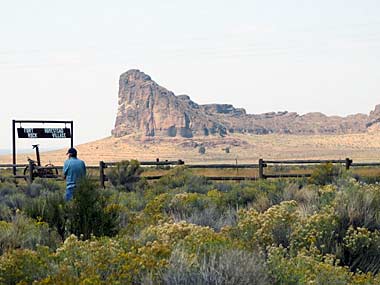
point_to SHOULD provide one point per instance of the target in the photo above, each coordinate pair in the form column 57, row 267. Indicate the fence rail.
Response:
column 31, row 171
column 153, row 163
column 286, row 175
column 222, row 166
column 304, row 161
column 365, row 164
column 264, row 163
column 13, row 165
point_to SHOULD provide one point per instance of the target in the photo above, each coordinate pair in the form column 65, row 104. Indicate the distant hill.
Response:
column 147, row 109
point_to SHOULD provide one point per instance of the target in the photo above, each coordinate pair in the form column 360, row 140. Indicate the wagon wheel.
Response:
column 26, row 172
column 51, row 172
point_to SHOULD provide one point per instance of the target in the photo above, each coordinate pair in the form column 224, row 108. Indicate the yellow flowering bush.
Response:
column 307, row 267
column 23, row 266
column 362, row 249
column 327, row 194
column 318, row 230
column 360, row 240
column 274, row 226
column 153, row 213
column 185, row 203
column 105, row 261
column 192, row 238
column 172, row 233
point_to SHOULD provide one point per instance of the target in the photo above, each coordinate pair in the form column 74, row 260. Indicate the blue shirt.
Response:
column 73, row 169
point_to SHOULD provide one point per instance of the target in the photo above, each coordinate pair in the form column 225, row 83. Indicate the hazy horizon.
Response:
column 62, row 60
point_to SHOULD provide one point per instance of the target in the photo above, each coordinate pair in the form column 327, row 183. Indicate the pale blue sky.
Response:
column 62, row 59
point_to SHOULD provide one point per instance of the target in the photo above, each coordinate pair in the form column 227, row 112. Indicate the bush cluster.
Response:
column 184, row 229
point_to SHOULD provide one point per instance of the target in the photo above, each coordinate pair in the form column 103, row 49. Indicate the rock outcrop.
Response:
column 151, row 110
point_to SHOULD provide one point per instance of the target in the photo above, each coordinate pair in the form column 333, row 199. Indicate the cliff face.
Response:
column 151, row 110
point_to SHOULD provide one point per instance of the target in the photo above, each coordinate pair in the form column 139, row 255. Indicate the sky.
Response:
column 61, row 60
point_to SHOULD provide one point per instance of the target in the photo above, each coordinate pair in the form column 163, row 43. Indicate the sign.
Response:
column 45, row 133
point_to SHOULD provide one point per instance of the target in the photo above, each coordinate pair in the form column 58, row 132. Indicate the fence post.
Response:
column 261, row 169
column 31, row 169
column 101, row 173
column 348, row 163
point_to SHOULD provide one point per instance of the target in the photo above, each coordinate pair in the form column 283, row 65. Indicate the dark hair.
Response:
column 72, row 151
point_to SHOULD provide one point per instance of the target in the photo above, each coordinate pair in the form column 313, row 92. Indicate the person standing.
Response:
column 73, row 170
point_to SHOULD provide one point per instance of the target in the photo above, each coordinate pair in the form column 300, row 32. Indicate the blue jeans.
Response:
column 69, row 193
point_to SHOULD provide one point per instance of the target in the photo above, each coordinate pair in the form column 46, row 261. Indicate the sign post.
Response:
column 36, row 133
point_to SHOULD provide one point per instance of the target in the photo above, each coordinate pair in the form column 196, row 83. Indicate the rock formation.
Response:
column 151, row 110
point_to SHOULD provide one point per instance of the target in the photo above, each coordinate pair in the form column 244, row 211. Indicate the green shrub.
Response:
column 24, row 232
column 15, row 201
column 211, row 216
column 362, row 250
column 50, row 185
column 105, row 261
column 231, row 266
column 154, row 212
column 88, row 213
column 260, row 195
column 307, row 267
column 34, row 190
column 126, row 175
column 11, row 197
column 325, row 174
column 259, row 230
column 319, row 230
column 133, row 201
column 358, row 205
column 23, row 266
column 240, row 195
column 185, row 203
column 5, row 213
column 7, row 189
column 181, row 179
column 311, row 267
column 42, row 186
column 326, row 195
column 273, row 191
column 50, row 208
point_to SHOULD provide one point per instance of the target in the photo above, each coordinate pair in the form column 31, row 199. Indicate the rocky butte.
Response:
column 147, row 109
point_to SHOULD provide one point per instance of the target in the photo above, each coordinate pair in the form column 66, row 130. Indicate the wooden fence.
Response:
column 103, row 165
column 31, row 171
column 264, row 163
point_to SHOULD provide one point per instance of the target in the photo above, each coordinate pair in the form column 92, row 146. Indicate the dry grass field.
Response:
column 243, row 149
